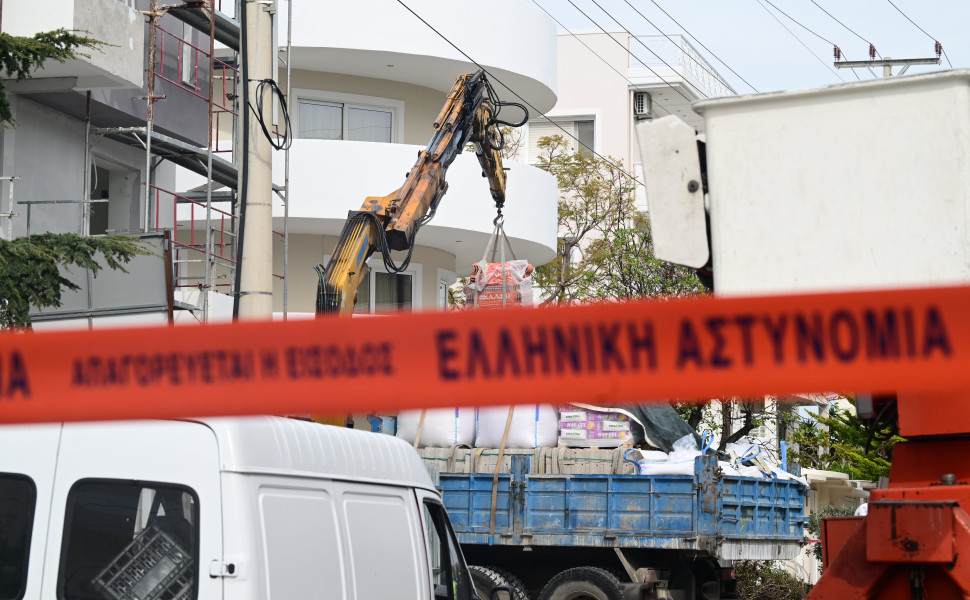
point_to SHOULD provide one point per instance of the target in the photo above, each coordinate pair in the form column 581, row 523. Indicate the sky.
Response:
column 762, row 52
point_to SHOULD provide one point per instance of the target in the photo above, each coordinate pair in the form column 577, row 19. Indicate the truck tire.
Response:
column 586, row 583
column 486, row 578
column 521, row 592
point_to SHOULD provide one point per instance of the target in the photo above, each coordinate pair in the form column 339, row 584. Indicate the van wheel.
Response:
column 486, row 578
column 583, row 583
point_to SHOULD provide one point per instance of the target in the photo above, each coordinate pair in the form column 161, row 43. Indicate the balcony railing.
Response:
column 677, row 52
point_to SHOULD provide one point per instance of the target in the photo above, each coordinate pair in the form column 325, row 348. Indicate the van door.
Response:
column 300, row 548
column 383, row 541
column 28, row 457
column 446, row 568
column 135, row 513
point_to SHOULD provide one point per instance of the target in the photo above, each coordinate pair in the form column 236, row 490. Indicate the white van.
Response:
column 241, row 508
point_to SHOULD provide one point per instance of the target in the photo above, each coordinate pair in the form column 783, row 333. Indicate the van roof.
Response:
column 276, row 444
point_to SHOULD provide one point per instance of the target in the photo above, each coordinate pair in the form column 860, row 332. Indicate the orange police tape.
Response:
column 915, row 340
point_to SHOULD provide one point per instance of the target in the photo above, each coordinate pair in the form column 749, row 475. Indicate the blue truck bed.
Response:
column 726, row 517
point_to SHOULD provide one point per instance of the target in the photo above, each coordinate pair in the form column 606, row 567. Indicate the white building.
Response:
column 605, row 79
column 368, row 80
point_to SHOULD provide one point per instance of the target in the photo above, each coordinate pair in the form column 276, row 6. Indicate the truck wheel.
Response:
column 486, row 578
column 586, row 583
column 521, row 592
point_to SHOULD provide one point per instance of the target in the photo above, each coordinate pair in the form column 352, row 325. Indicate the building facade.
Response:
column 607, row 80
column 366, row 83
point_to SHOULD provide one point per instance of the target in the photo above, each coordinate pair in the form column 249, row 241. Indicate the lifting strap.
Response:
column 498, row 469
column 498, row 235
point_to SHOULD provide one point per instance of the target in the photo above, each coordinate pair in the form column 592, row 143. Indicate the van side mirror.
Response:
column 441, row 592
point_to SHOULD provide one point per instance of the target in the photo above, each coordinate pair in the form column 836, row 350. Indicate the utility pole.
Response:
column 254, row 267
column 886, row 63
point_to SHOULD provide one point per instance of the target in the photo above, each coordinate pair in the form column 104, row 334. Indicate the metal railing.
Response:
column 187, row 74
column 677, row 52
column 191, row 248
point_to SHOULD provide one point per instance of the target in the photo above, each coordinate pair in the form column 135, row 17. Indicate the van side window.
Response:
column 130, row 539
column 448, row 579
column 18, row 496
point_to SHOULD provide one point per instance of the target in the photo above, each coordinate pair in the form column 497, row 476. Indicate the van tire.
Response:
column 583, row 582
column 486, row 578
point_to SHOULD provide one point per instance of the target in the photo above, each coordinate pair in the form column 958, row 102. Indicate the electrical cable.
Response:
column 516, row 94
column 491, row 136
column 797, row 22
column 886, row 417
column 244, row 177
column 833, row 44
column 628, row 51
column 923, row 30
column 845, row 26
column 799, row 39
column 283, row 141
column 699, row 43
column 599, row 56
column 697, row 62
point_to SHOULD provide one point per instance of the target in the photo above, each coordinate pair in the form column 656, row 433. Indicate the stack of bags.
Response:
column 499, row 285
column 533, row 426
column 588, row 428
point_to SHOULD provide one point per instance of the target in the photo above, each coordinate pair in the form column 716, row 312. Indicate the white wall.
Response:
column 117, row 64
column 329, row 178
column 46, row 150
column 588, row 86
column 383, row 40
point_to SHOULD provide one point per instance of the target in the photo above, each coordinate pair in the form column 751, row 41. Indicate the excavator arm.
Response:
column 391, row 222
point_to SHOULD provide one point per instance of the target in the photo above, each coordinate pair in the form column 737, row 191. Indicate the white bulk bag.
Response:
column 443, row 427
column 533, row 426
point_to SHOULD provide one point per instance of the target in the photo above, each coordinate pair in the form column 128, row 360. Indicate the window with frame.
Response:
column 18, row 498
column 324, row 120
column 583, row 130
column 392, row 292
column 448, row 575
column 130, row 539
column 189, row 60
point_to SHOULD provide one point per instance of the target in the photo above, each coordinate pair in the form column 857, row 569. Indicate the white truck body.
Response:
column 848, row 187
column 268, row 508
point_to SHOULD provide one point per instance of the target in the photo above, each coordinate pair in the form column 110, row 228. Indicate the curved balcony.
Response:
column 381, row 39
column 330, row 178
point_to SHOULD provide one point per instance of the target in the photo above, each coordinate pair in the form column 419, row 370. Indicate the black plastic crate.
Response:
column 154, row 566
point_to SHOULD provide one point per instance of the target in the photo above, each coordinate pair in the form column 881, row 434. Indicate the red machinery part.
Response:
column 915, row 541
column 835, row 533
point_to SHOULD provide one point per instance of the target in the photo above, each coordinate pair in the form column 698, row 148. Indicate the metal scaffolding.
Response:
column 216, row 248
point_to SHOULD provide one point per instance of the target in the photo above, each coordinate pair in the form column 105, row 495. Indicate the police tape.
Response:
column 609, row 353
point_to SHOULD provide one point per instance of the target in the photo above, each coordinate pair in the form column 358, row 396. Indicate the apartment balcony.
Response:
column 119, row 63
column 464, row 219
column 382, row 40
column 675, row 74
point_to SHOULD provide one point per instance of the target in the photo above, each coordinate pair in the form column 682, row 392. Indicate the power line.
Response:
column 798, row 38
column 871, row 45
column 924, row 31
column 833, row 44
column 516, row 94
column 796, row 21
column 698, row 42
column 628, row 51
column 671, row 40
column 606, row 62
